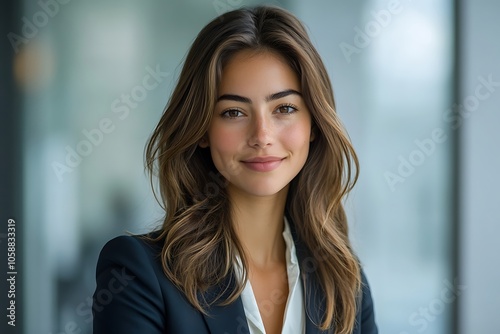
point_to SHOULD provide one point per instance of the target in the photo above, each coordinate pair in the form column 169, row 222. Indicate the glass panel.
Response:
column 390, row 63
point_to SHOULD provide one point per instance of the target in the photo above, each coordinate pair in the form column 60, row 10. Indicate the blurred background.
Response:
column 417, row 85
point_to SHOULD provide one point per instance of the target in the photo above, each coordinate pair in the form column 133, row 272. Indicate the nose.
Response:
column 261, row 131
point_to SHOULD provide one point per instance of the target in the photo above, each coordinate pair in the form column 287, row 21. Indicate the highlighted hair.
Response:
column 200, row 246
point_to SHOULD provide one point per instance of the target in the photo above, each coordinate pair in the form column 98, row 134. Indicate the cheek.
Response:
column 223, row 142
column 297, row 136
column 224, row 147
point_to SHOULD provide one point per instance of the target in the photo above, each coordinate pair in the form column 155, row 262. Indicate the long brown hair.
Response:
column 200, row 246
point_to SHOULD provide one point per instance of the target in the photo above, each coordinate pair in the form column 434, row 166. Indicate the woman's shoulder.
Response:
column 365, row 317
column 130, row 251
column 144, row 240
column 131, row 289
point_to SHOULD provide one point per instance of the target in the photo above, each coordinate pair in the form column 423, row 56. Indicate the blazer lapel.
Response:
column 313, row 293
column 314, row 304
column 226, row 319
column 231, row 318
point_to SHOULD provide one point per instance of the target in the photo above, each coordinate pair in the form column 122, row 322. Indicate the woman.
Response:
column 253, row 164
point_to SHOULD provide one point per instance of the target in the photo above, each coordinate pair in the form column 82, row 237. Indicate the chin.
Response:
column 264, row 190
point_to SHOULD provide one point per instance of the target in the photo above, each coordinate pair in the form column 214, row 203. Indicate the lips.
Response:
column 263, row 164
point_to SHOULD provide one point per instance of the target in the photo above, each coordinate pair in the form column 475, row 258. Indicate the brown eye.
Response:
column 232, row 113
column 286, row 109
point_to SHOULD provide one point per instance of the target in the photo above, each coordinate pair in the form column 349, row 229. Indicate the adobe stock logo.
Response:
column 454, row 116
column 105, row 296
column 372, row 29
column 121, row 108
column 421, row 319
column 31, row 27
column 118, row 282
column 223, row 6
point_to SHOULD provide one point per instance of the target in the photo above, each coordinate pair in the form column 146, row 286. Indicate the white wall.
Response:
column 480, row 198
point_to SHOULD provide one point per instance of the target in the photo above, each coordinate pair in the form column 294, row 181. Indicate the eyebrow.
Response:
column 269, row 98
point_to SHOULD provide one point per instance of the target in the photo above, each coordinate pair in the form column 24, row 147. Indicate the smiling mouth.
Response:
column 263, row 164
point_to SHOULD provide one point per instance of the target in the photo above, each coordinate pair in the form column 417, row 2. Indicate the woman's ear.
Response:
column 203, row 143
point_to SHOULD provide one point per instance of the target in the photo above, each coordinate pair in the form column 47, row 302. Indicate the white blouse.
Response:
column 294, row 318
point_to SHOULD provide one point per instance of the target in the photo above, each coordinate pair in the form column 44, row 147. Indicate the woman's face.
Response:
column 261, row 128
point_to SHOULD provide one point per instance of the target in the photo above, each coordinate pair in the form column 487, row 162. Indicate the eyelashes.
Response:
column 282, row 109
column 232, row 113
column 289, row 107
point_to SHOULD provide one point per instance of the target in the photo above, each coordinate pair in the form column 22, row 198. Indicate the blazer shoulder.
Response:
column 129, row 251
column 126, row 245
column 128, row 290
column 366, row 313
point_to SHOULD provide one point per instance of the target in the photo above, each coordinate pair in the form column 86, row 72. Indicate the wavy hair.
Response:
column 199, row 243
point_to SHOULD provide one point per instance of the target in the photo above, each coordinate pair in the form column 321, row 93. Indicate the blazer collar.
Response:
column 231, row 318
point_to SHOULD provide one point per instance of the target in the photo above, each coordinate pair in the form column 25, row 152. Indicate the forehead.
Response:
column 257, row 73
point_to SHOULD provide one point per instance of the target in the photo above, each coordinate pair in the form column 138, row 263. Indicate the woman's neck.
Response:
column 259, row 226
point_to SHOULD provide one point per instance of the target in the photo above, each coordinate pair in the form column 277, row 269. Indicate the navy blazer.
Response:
column 133, row 295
